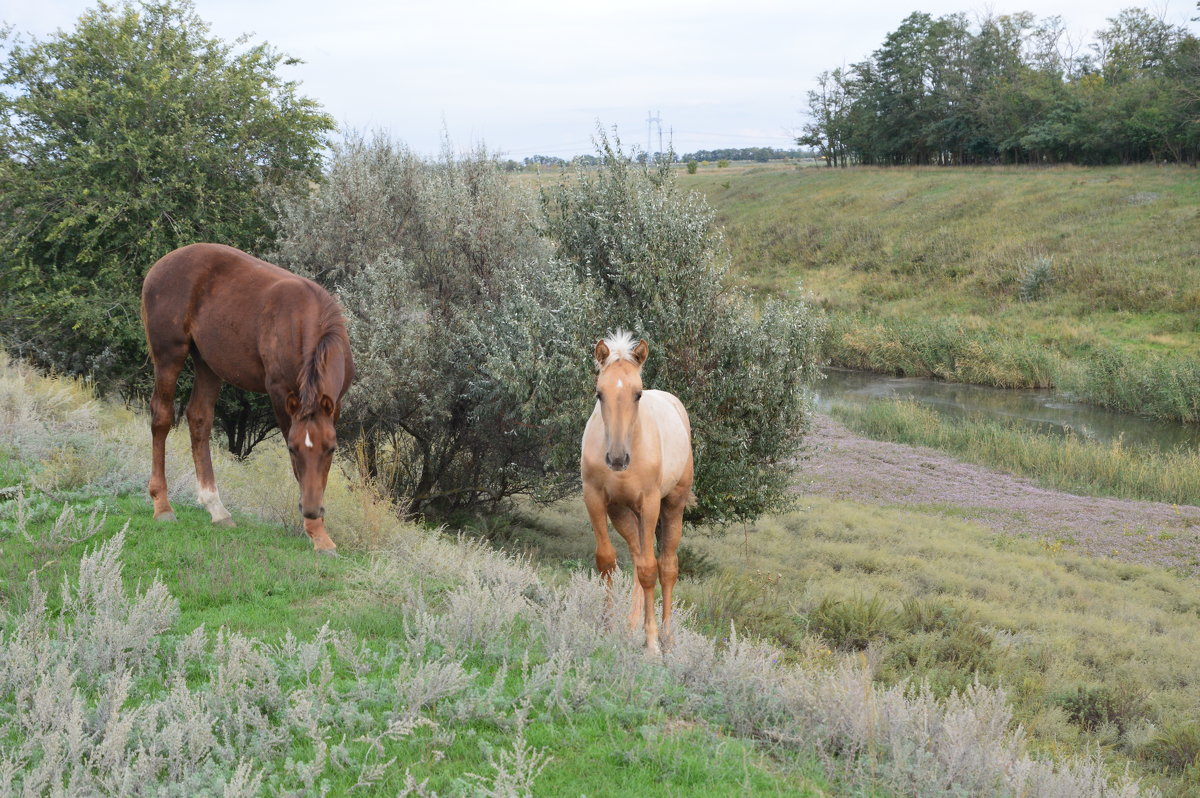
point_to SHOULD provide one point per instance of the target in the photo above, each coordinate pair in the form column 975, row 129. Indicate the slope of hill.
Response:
column 418, row 663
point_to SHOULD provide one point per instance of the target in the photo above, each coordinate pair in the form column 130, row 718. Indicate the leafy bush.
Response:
column 692, row 167
column 469, row 338
column 1094, row 706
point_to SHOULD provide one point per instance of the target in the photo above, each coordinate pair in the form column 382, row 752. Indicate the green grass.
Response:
column 265, row 582
column 902, row 256
column 1068, row 463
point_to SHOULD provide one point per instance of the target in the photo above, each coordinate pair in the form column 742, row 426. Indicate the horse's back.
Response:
column 182, row 270
column 219, row 300
column 674, row 434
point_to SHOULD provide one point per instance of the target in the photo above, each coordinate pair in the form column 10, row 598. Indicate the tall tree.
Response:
column 133, row 134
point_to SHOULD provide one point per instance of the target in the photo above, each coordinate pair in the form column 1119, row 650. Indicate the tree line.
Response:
column 473, row 303
column 1013, row 89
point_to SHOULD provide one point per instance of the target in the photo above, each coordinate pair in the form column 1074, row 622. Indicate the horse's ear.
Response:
column 601, row 353
column 641, row 352
column 327, row 406
column 291, row 404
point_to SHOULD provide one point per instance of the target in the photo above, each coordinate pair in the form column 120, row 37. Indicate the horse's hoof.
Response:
column 227, row 523
column 167, row 516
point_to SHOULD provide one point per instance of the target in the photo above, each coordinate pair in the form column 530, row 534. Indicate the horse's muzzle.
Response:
column 617, row 463
column 312, row 516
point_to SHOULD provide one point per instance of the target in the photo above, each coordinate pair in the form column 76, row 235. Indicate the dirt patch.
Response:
column 848, row 466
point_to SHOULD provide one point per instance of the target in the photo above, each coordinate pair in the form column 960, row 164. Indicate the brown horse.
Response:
column 636, row 465
column 259, row 327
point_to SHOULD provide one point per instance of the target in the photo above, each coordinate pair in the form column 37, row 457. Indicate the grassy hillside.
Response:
column 145, row 658
column 1080, row 278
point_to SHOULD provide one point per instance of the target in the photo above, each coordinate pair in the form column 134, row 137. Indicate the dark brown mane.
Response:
column 331, row 333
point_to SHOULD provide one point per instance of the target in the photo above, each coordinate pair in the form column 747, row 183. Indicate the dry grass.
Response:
column 98, row 698
column 1042, row 622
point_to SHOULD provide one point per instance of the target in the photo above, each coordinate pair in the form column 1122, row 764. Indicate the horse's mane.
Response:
column 331, row 333
column 620, row 347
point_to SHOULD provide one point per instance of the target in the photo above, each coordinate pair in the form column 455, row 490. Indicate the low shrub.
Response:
column 852, row 624
column 1093, row 706
column 1176, row 747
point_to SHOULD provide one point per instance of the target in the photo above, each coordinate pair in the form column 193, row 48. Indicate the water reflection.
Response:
column 1042, row 410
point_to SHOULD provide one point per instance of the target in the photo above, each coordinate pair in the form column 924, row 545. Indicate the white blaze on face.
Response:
column 620, row 384
column 307, row 439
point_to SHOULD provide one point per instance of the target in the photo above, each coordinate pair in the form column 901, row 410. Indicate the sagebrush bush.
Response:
column 471, row 342
column 473, row 313
column 1036, row 280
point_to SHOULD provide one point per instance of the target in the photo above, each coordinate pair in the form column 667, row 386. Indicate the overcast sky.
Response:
column 532, row 76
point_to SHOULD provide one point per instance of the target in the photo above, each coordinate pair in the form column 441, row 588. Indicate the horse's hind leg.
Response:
column 162, row 416
column 200, row 409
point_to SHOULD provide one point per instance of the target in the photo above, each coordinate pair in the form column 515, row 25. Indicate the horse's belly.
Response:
column 233, row 355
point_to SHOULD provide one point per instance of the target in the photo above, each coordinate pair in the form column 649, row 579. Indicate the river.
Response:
column 1040, row 410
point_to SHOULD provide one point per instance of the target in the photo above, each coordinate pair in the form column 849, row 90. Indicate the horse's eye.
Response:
column 638, row 398
column 599, row 398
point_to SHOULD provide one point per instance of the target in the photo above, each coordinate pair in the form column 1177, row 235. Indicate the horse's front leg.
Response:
column 626, row 522
column 668, row 560
column 606, row 555
column 200, row 411
column 647, row 566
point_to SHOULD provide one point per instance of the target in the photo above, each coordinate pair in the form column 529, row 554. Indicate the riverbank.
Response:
column 847, row 465
column 1075, row 278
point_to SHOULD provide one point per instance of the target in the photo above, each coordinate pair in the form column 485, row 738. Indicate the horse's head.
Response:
column 619, row 390
column 311, row 441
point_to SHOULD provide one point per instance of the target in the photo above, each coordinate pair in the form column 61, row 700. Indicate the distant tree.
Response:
column 545, row 160
column 828, row 107
column 1012, row 90
column 128, row 136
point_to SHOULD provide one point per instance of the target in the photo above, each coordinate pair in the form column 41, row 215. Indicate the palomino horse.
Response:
column 263, row 329
column 637, row 470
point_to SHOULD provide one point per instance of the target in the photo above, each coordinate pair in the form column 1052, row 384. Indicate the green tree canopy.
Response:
column 133, row 134
column 1012, row 89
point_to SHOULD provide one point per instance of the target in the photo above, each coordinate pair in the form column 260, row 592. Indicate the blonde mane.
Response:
column 620, row 347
